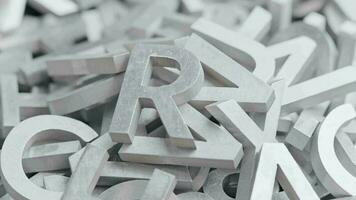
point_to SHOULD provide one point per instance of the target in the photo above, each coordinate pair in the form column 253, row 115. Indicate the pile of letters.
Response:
column 178, row 99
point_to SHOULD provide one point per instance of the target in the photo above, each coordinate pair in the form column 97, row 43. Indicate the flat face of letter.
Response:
column 83, row 180
column 242, row 49
column 257, row 25
column 232, row 74
column 11, row 14
column 22, row 136
column 276, row 162
column 326, row 165
column 319, row 89
column 135, row 92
